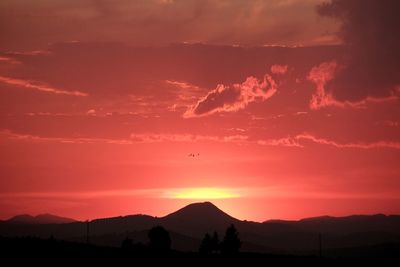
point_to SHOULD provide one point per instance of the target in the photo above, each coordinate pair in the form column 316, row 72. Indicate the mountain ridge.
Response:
column 45, row 218
column 204, row 207
column 191, row 222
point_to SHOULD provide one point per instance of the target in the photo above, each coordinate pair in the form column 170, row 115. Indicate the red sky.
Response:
column 290, row 108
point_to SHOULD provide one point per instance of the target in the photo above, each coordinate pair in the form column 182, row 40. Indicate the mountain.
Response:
column 39, row 219
column 198, row 218
column 201, row 211
column 188, row 225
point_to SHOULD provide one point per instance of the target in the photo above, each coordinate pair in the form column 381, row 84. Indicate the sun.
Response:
column 203, row 193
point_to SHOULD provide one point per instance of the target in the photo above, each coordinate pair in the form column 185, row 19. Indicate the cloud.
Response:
column 390, row 123
column 298, row 141
column 185, row 95
column 133, row 138
column 320, row 75
column 112, row 71
column 91, row 112
column 34, row 85
column 8, row 60
column 298, row 113
column 325, row 72
column 323, row 141
column 370, row 66
column 279, row 69
column 233, row 98
column 85, row 194
column 155, row 138
column 182, row 85
column 286, row 141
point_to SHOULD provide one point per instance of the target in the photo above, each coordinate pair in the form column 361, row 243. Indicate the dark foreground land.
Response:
column 28, row 250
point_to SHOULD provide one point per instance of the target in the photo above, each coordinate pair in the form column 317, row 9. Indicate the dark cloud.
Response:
column 370, row 30
column 30, row 25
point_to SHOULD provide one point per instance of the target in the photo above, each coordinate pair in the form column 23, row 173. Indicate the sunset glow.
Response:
column 203, row 193
column 269, row 109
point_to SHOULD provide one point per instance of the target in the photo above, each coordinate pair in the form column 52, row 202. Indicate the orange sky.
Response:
column 269, row 109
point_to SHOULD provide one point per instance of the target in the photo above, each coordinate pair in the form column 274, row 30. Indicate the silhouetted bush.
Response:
column 160, row 240
column 231, row 243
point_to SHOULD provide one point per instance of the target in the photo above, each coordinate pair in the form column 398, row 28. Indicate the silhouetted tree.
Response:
column 215, row 243
column 231, row 243
column 206, row 245
column 160, row 240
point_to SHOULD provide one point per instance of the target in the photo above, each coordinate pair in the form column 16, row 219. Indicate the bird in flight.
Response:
column 193, row 155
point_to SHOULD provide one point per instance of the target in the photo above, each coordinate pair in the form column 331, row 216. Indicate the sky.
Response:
column 280, row 109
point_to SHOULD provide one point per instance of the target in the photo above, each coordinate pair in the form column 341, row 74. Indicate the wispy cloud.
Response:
column 38, row 86
column 153, row 138
column 83, row 194
column 169, row 193
column 361, row 145
column 286, row 141
column 185, row 92
column 301, row 139
column 297, row 141
column 182, row 85
column 279, row 69
column 133, row 138
column 9, row 60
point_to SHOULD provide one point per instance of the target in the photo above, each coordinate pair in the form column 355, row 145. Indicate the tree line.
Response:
column 160, row 242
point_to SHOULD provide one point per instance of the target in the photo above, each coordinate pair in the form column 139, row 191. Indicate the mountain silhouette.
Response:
column 40, row 219
column 197, row 218
column 203, row 210
column 188, row 225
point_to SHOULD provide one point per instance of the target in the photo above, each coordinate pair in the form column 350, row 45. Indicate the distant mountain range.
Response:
column 39, row 219
column 188, row 225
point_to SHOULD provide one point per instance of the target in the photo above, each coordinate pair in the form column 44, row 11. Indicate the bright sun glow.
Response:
column 203, row 193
